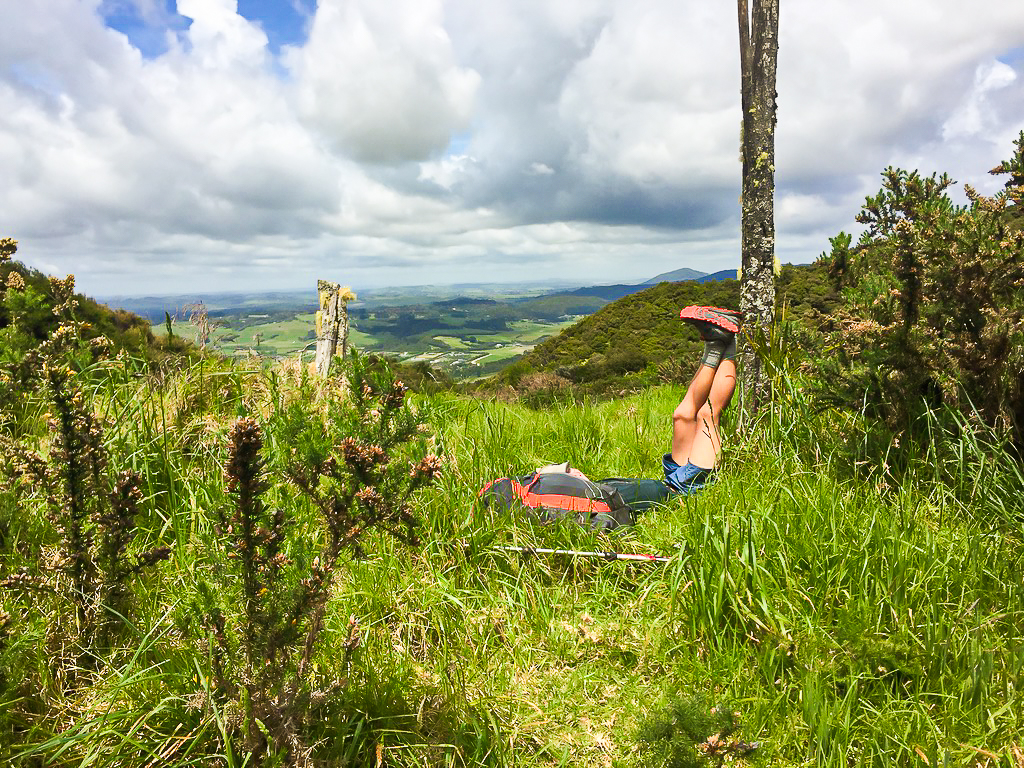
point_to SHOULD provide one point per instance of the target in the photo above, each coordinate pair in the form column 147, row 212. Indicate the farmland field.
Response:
column 464, row 349
column 470, row 330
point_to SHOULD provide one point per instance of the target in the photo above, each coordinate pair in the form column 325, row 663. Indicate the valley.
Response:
column 469, row 331
column 465, row 351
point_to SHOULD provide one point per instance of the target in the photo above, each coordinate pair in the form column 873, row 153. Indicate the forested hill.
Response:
column 27, row 314
column 676, row 275
column 644, row 327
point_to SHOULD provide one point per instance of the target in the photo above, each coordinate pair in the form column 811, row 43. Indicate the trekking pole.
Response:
column 579, row 553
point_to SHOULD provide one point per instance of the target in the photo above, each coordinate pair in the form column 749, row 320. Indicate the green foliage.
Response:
column 420, row 376
column 353, row 470
column 847, row 613
column 688, row 733
column 933, row 306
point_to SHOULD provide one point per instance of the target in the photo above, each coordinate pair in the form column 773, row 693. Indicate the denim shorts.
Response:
column 685, row 479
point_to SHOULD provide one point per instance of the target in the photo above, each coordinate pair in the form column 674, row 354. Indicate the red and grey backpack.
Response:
column 556, row 495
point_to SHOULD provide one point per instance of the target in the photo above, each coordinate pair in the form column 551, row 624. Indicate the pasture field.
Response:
column 276, row 339
column 509, row 351
column 531, row 331
column 461, row 351
column 452, row 342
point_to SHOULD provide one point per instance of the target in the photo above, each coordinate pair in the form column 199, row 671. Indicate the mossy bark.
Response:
column 759, row 44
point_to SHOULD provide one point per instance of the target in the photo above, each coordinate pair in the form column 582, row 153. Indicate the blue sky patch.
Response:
column 1014, row 57
column 146, row 31
column 285, row 22
column 458, row 144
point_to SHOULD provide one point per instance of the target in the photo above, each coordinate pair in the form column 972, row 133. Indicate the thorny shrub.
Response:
column 933, row 303
column 84, row 591
column 357, row 468
column 684, row 732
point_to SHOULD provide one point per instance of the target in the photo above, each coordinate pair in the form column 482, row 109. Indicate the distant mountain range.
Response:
column 679, row 275
column 154, row 307
column 723, row 274
column 618, row 291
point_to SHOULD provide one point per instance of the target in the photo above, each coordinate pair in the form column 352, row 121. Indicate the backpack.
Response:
column 557, row 495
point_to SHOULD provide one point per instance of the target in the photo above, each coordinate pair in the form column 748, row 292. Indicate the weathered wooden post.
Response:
column 331, row 323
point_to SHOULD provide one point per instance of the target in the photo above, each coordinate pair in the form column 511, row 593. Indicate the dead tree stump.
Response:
column 331, row 324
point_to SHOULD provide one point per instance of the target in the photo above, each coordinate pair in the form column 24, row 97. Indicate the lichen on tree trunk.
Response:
column 759, row 43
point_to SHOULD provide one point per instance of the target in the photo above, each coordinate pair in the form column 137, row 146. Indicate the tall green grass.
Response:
column 849, row 614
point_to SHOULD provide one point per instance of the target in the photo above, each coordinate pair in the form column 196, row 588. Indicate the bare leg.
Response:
column 706, row 443
column 684, row 418
column 695, row 436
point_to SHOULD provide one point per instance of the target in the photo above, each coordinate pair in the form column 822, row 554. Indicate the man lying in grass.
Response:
column 696, row 442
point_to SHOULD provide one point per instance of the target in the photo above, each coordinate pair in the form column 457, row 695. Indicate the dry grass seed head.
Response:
column 322, row 391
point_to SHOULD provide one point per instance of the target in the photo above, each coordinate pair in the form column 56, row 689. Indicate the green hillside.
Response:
column 27, row 314
column 685, row 273
column 639, row 339
column 646, row 323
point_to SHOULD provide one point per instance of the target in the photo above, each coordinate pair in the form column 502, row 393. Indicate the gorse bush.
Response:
column 1014, row 185
column 353, row 465
column 687, row 732
column 933, row 308
column 91, row 506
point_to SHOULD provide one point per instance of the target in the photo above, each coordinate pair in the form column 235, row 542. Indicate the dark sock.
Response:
column 714, row 352
column 730, row 349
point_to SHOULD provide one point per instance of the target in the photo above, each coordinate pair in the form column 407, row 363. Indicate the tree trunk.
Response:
column 759, row 45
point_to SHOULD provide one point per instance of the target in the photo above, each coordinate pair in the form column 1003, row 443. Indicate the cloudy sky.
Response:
column 154, row 146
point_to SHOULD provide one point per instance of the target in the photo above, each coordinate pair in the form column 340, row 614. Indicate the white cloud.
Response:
column 976, row 115
column 649, row 104
column 446, row 171
column 453, row 139
column 379, row 80
column 220, row 38
column 861, row 84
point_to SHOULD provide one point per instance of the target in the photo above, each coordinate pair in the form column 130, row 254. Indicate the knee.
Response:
column 706, row 414
column 684, row 414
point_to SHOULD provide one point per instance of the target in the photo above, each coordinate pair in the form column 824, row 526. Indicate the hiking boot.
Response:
column 731, row 314
column 728, row 319
column 713, row 323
